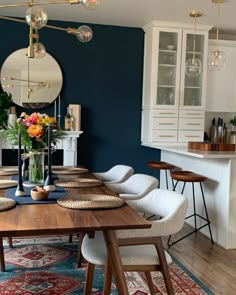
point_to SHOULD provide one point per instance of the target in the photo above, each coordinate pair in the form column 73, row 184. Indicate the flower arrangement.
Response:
column 34, row 137
column 34, row 131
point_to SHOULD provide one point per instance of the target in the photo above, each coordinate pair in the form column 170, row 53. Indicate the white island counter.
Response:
column 219, row 189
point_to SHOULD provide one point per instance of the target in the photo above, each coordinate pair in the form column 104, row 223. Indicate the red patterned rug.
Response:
column 47, row 266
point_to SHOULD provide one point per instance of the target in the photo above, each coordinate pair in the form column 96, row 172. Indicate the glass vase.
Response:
column 36, row 168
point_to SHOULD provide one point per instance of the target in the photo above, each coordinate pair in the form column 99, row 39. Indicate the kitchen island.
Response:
column 219, row 189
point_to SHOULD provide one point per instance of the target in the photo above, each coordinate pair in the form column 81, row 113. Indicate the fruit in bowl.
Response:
column 38, row 193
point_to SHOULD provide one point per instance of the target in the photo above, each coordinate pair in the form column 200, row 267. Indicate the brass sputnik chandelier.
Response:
column 36, row 17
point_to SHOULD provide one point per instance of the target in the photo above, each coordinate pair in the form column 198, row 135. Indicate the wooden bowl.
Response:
column 39, row 195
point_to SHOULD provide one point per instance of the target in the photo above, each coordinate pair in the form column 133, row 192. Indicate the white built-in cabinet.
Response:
column 173, row 104
column 221, row 85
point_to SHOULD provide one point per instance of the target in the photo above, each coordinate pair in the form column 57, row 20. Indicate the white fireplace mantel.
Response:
column 68, row 144
column 69, row 147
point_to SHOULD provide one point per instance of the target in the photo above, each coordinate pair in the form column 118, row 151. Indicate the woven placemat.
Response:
column 7, row 183
column 69, row 171
column 8, row 172
column 79, row 182
column 6, row 203
column 86, row 201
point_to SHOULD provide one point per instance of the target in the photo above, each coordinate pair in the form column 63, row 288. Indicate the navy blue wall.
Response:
column 105, row 77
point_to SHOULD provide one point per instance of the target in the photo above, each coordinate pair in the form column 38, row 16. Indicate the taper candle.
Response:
column 59, row 111
column 55, row 109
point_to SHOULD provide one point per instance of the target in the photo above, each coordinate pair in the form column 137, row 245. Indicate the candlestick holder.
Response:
column 19, row 190
column 49, row 183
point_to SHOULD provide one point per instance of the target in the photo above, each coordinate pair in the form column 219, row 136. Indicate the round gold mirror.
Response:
column 33, row 82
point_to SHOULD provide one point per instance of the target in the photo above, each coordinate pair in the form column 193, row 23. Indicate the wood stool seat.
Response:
column 187, row 176
column 159, row 165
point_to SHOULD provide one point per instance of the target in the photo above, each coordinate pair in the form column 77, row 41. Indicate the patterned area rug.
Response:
column 47, row 266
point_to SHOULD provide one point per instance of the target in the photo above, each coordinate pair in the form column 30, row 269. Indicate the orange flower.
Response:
column 35, row 131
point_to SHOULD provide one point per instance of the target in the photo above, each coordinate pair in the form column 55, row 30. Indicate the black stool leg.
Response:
column 204, row 203
column 194, row 215
column 194, row 208
column 172, row 180
column 166, row 180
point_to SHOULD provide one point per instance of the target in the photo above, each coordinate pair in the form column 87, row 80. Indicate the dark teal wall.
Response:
column 105, row 77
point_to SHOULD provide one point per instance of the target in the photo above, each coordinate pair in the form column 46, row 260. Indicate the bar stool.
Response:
column 159, row 165
column 188, row 176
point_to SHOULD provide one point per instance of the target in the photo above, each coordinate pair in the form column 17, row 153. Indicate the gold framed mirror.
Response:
column 33, row 82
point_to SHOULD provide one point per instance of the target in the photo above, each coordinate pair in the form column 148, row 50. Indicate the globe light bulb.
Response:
column 91, row 4
column 84, row 34
column 36, row 17
column 39, row 50
column 193, row 67
column 216, row 60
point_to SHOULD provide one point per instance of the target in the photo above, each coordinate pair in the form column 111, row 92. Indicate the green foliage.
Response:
column 233, row 121
column 5, row 103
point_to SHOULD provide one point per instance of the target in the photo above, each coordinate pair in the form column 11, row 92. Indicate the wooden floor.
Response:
column 211, row 264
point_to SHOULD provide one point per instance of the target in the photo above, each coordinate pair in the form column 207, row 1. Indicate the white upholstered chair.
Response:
column 116, row 174
column 134, row 188
column 140, row 250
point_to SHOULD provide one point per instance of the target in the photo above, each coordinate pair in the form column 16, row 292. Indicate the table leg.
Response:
column 115, row 261
column 2, row 256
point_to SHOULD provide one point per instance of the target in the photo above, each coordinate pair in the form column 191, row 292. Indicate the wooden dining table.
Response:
column 53, row 219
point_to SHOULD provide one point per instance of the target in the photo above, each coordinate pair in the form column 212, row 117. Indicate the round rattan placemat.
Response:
column 6, row 203
column 87, row 201
column 79, row 182
column 8, row 172
column 7, row 183
column 69, row 171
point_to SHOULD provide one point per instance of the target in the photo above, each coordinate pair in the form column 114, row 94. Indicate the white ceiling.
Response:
column 137, row 13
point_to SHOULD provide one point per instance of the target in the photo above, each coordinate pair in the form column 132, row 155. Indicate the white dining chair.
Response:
column 117, row 174
column 140, row 249
column 134, row 188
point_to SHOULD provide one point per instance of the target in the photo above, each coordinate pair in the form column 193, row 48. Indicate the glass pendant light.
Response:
column 217, row 58
column 84, row 34
column 193, row 67
column 91, row 4
column 36, row 17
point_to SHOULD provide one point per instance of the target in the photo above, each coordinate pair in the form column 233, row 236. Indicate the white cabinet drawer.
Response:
column 191, row 124
column 165, row 113
column 165, row 123
column 185, row 136
column 164, row 135
column 191, row 114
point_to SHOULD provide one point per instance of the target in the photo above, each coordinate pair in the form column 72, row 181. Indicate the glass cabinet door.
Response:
column 168, row 68
column 192, row 87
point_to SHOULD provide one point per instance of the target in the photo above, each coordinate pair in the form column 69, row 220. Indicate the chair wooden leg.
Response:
column 150, row 283
column 89, row 279
column 164, row 266
column 107, row 279
column 79, row 253
column 10, row 242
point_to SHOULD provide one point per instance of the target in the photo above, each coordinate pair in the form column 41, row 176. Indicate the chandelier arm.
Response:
column 40, row 3
column 67, row 30
column 13, row 19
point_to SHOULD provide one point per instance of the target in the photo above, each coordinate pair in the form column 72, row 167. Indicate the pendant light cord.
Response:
column 194, row 38
column 218, row 21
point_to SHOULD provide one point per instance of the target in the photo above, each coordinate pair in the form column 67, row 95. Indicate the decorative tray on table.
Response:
column 7, row 183
column 69, row 170
column 91, row 201
column 79, row 182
